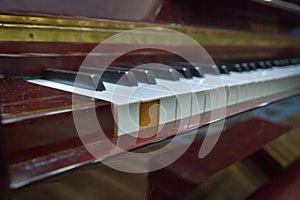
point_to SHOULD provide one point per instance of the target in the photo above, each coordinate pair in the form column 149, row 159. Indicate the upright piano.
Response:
column 90, row 88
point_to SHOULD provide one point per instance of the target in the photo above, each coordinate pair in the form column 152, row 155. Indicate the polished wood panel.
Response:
column 47, row 126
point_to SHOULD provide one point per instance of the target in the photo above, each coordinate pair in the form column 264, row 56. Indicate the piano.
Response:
column 104, row 81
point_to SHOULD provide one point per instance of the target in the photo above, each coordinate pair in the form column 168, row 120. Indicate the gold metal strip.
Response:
column 42, row 29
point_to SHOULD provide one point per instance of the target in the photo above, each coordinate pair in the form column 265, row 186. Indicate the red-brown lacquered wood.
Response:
column 138, row 10
column 24, row 49
column 54, row 162
column 233, row 14
column 37, row 120
column 189, row 170
column 29, row 59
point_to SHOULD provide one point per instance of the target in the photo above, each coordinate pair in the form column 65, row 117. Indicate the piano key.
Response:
column 230, row 88
column 162, row 72
column 268, row 77
column 243, row 66
column 234, row 67
column 268, row 64
column 207, row 87
column 184, row 71
column 210, row 68
column 286, row 62
column 280, row 63
column 252, row 79
column 265, row 81
column 194, row 69
column 183, row 94
column 83, row 80
column 276, row 63
column 295, row 61
column 264, row 64
column 252, row 65
column 141, row 75
column 111, row 75
column 223, row 69
column 207, row 94
column 238, row 87
column 246, row 67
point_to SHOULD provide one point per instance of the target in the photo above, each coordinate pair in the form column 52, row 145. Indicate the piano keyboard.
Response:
column 178, row 92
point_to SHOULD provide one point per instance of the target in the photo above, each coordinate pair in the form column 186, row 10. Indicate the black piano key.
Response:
column 280, row 62
column 276, row 63
column 194, row 69
column 295, row 61
column 268, row 64
column 84, row 80
column 252, row 66
column 144, row 76
column 110, row 75
column 208, row 69
column 285, row 62
column 184, row 71
column 243, row 67
column 234, row 67
column 246, row 67
column 223, row 69
column 262, row 65
column 141, row 75
column 162, row 72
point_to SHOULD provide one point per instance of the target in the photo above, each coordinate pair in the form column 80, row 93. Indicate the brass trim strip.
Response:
column 43, row 29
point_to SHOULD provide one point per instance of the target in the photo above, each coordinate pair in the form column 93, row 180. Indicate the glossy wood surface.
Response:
column 42, row 119
column 37, row 125
column 30, row 58
column 182, row 179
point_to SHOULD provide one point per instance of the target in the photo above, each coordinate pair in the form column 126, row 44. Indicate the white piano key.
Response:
column 127, row 118
column 231, row 87
column 169, row 114
column 183, row 93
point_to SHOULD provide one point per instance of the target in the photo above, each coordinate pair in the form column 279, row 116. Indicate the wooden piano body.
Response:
column 37, row 127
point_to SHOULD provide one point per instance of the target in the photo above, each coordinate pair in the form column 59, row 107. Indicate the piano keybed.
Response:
column 179, row 93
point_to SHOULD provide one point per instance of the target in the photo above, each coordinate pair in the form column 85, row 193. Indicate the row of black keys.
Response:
column 92, row 77
column 240, row 67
